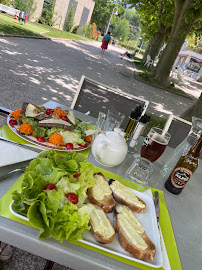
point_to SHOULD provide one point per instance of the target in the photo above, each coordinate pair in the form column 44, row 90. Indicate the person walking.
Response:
column 105, row 41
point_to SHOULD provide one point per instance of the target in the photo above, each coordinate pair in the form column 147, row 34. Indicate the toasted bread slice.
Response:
column 101, row 194
column 132, row 236
column 101, row 226
column 124, row 195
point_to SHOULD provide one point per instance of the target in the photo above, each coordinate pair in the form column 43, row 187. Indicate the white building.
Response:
column 83, row 11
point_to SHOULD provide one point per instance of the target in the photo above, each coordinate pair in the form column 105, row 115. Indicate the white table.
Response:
column 184, row 210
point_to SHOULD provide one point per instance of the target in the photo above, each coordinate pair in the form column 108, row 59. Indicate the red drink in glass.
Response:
column 153, row 146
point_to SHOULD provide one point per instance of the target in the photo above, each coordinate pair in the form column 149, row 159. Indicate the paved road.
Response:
column 40, row 70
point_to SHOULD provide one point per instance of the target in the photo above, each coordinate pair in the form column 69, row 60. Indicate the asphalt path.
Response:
column 40, row 70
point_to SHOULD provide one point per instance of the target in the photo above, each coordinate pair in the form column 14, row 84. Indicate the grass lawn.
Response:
column 53, row 32
column 10, row 26
column 143, row 74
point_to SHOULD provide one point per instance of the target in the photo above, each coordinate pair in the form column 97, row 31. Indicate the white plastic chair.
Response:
column 149, row 62
column 95, row 97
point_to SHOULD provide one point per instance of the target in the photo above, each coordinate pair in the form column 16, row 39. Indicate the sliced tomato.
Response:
column 50, row 187
column 76, row 175
column 49, row 111
column 41, row 139
column 13, row 122
column 72, row 197
column 64, row 118
column 69, row 146
column 83, row 145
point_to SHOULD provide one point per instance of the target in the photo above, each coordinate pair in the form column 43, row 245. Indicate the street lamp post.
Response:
column 111, row 17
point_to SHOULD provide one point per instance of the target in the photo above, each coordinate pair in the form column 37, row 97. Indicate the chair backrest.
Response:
column 178, row 128
column 95, row 97
column 148, row 57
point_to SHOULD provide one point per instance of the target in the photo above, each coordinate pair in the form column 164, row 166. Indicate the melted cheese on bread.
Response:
column 100, row 222
column 131, row 233
column 126, row 194
column 128, row 214
column 100, row 188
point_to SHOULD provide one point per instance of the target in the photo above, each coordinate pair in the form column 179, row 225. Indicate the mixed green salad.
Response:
column 52, row 195
column 56, row 126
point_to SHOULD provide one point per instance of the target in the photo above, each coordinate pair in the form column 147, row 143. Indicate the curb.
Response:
column 39, row 37
column 21, row 36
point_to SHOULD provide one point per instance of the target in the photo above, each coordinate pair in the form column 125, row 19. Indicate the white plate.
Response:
column 46, row 145
column 148, row 220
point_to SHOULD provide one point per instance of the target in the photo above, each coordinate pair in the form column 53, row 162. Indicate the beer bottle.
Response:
column 183, row 170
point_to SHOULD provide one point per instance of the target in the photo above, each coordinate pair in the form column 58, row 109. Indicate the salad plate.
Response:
column 148, row 220
column 76, row 138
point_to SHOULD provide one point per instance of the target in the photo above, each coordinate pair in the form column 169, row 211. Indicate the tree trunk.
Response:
column 177, row 37
column 155, row 44
column 194, row 110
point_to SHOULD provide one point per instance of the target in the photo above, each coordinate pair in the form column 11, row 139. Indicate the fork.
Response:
column 13, row 172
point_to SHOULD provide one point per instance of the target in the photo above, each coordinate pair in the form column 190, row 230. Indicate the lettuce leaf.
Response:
column 49, row 210
column 38, row 131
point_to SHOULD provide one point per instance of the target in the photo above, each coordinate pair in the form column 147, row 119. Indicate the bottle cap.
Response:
column 144, row 119
column 117, row 130
column 136, row 113
column 123, row 134
column 132, row 143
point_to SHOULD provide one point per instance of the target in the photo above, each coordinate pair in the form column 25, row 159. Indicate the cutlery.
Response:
column 166, row 263
column 156, row 204
column 13, row 172
column 4, row 112
column 29, row 147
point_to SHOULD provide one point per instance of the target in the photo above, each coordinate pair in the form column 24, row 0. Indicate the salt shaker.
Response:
column 138, row 130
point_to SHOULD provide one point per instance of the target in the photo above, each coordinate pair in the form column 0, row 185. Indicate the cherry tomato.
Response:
column 69, row 146
column 83, row 145
column 64, row 118
column 76, row 175
column 49, row 187
column 49, row 111
column 72, row 197
column 41, row 139
column 13, row 122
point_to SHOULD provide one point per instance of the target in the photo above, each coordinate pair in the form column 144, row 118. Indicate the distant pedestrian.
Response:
column 20, row 17
column 128, row 54
column 26, row 18
column 105, row 41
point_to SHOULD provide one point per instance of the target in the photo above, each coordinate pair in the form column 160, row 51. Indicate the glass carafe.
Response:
column 184, row 146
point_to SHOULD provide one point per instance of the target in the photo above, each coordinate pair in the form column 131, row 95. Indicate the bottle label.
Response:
column 180, row 177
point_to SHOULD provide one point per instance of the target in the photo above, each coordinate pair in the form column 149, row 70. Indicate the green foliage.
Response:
column 75, row 29
column 103, row 10
column 69, row 21
column 86, row 31
column 155, row 121
column 47, row 13
column 153, row 15
column 19, row 4
column 6, row 2
column 30, row 6
column 121, row 30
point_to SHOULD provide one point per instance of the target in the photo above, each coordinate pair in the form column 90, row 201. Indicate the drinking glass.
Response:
column 140, row 171
column 100, row 121
column 114, row 120
column 154, row 144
